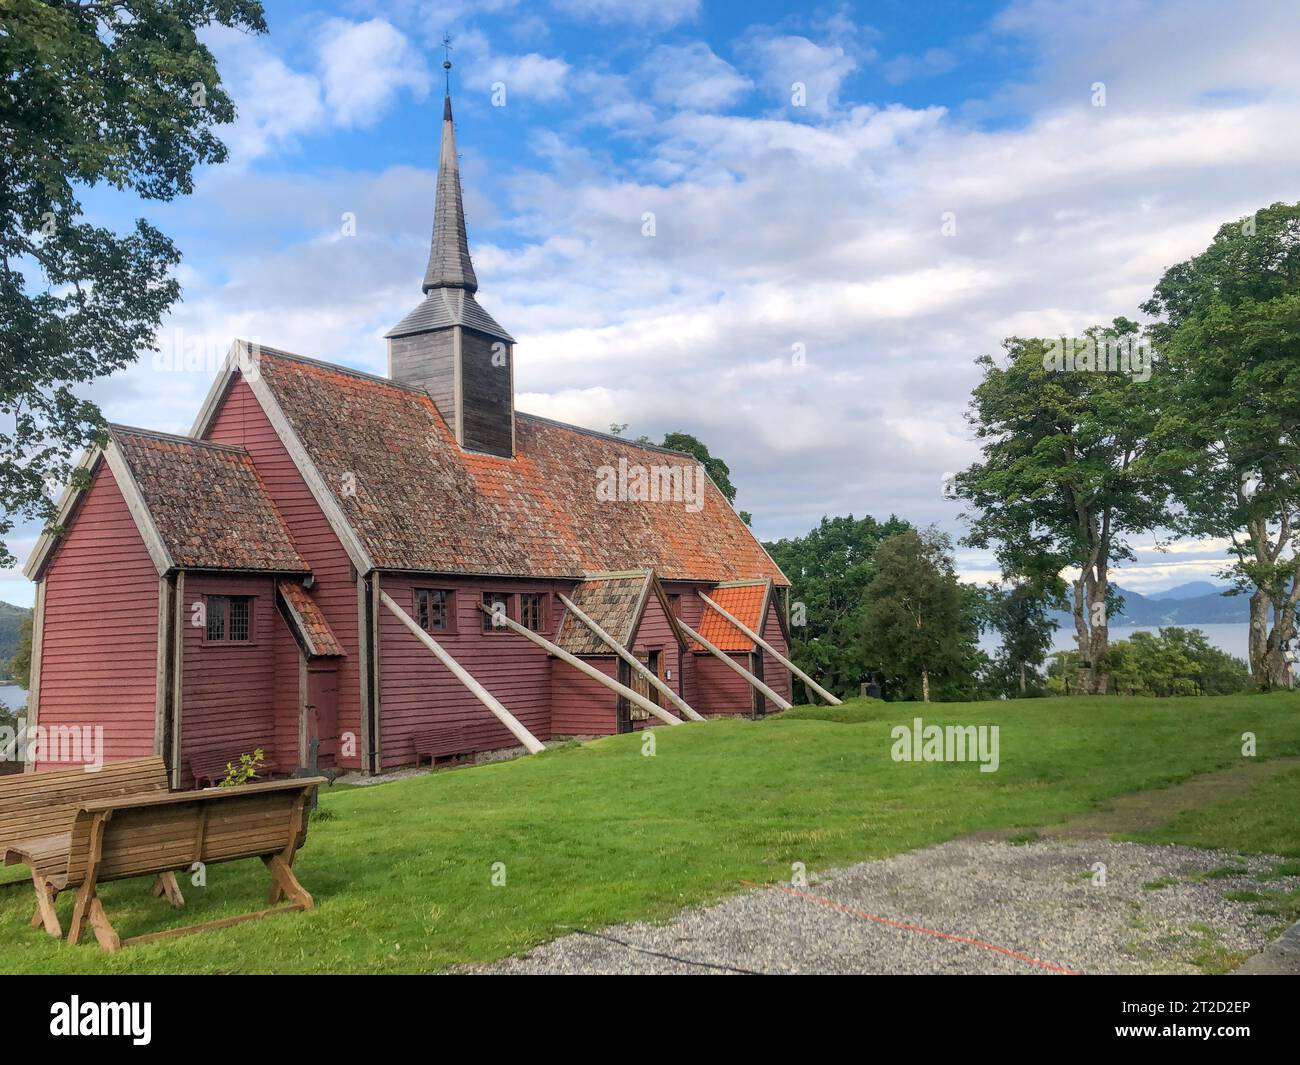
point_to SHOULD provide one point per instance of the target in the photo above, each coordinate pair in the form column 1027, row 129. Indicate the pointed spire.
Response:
column 449, row 261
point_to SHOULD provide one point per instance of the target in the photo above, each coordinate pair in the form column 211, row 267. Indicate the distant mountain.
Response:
column 1175, row 608
column 11, row 619
column 1190, row 590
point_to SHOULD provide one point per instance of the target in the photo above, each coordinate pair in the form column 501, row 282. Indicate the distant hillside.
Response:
column 11, row 618
column 1190, row 590
column 1186, row 605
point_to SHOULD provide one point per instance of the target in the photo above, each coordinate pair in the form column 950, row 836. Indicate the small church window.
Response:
column 230, row 618
column 498, row 603
column 532, row 611
column 432, row 608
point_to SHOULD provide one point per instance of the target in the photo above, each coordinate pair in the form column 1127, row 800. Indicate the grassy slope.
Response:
column 596, row 834
column 1266, row 820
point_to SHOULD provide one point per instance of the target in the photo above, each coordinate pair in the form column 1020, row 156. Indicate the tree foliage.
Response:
column 920, row 625
column 829, row 569
column 718, row 471
column 1060, row 484
column 121, row 94
column 1228, row 327
column 20, row 666
column 1175, row 661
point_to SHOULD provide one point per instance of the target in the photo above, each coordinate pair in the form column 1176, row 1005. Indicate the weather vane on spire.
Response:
column 446, row 62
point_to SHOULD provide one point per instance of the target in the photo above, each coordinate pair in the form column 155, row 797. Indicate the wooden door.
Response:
column 322, row 709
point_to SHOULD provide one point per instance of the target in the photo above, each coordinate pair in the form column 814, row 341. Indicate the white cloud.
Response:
column 659, row 13
column 530, row 76
column 785, row 61
column 363, row 66
column 821, row 230
column 692, row 77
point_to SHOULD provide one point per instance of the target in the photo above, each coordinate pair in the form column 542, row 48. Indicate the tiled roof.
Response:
column 613, row 603
column 307, row 618
column 419, row 502
column 744, row 602
column 208, row 503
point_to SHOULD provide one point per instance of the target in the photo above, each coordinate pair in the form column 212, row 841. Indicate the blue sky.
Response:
column 780, row 228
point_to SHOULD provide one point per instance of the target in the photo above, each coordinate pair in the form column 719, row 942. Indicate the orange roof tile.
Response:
column 310, row 623
column 745, row 603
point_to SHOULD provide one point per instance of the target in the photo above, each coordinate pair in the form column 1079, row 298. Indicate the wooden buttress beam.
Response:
column 630, row 659
column 531, row 742
column 732, row 664
column 578, row 664
column 833, row 700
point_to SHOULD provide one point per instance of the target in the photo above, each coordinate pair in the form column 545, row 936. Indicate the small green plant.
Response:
column 246, row 770
column 1157, row 885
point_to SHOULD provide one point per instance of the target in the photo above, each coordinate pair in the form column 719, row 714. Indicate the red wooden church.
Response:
column 342, row 569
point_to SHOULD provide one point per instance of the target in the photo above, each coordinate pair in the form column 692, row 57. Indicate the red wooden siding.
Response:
column 230, row 690
column 417, row 691
column 241, row 421
column 100, row 643
column 655, row 634
column 775, row 675
column 581, row 706
column 286, row 696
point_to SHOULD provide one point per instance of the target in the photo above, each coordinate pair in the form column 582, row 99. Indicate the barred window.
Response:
column 432, row 607
column 230, row 618
column 532, row 611
column 497, row 603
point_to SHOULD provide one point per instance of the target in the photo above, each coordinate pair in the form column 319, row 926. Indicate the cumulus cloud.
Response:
column 692, row 77
column 790, row 63
column 658, row 13
column 363, row 66
column 799, row 306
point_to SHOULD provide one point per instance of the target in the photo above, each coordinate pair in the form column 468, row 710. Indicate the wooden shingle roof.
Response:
column 208, row 503
column 613, row 603
column 418, row 502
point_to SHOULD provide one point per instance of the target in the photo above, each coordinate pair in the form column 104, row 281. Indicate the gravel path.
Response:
column 1156, row 912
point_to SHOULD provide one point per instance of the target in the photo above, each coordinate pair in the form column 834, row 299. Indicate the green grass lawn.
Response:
column 597, row 833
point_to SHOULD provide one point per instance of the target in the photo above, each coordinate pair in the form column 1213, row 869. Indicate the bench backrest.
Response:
column 156, row 834
column 43, row 804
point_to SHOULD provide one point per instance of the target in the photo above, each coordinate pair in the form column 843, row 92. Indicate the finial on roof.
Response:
column 449, row 261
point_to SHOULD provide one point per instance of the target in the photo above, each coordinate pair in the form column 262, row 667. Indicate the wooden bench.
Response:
column 134, row 836
column 39, row 809
column 209, row 768
column 438, row 742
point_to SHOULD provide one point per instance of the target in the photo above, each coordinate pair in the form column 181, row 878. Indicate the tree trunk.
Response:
column 1022, row 678
column 1081, row 638
column 1099, row 641
column 925, row 685
column 1268, row 667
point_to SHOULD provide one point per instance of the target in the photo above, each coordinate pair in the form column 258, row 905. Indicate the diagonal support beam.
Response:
column 531, row 742
column 833, row 700
column 578, row 664
column 630, row 659
column 732, row 664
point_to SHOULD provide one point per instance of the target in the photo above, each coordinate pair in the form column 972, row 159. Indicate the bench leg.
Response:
column 165, row 884
column 285, row 883
column 105, row 933
column 80, row 911
column 45, row 914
